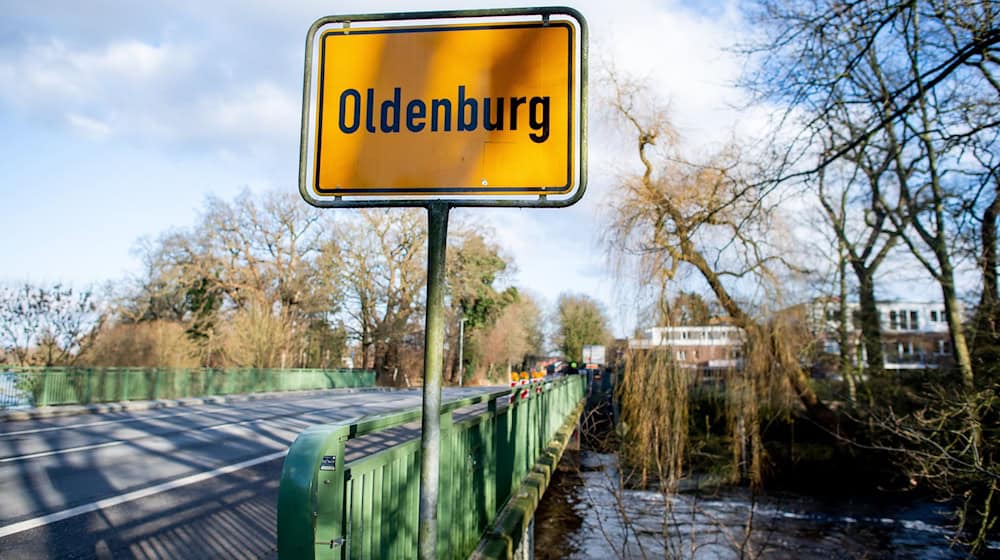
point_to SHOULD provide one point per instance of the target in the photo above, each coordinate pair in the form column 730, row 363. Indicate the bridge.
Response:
column 203, row 481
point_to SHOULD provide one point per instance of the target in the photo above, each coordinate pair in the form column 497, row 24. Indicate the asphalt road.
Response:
column 186, row 482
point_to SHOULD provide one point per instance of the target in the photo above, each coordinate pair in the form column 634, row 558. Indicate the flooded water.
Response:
column 585, row 515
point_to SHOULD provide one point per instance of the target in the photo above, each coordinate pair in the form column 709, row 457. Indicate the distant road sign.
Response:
column 593, row 354
column 477, row 108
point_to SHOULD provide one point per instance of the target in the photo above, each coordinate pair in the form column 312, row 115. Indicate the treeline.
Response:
column 883, row 150
column 267, row 281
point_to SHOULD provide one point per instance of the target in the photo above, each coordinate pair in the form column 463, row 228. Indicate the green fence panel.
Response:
column 368, row 508
column 33, row 386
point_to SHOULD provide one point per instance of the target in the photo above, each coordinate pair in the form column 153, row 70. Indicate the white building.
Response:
column 707, row 347
column 914, row 334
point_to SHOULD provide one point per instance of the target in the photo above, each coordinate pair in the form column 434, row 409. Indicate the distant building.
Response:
column 707, row 348
column 914, row 334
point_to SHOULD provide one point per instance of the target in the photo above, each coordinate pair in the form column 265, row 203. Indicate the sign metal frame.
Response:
column 438, row 194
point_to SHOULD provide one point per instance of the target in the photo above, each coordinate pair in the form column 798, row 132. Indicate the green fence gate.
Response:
column 368, row 508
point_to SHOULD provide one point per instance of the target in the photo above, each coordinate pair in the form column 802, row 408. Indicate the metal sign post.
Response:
column 469, row 108
column 430, row 423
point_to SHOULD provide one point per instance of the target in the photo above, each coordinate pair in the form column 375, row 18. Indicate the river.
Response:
column 586, row 515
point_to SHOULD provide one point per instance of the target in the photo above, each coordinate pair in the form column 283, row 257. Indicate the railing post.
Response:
column 45, row 388
column 311, row 495
column 330, row 491
column 490, row 460
column 520, row 440
column 450, row 462
column 529, row 440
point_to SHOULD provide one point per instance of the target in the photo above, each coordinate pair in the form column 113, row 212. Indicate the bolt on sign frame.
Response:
column 480, row 108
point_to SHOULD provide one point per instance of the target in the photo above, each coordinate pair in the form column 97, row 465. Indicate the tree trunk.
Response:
column 989, row 296
column 843, row 327
column 871, row 327
column 958, row 342
column 986, row 336
column 939, row 245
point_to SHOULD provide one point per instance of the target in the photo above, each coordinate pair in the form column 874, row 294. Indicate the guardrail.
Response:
column 28, row 386
column 368, row 508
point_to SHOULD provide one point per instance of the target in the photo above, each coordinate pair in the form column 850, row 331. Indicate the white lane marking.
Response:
column 139, row 419
column 36, row 522
column 101, row 423
column 61, row 451
column 124, row 441
column 241, row 423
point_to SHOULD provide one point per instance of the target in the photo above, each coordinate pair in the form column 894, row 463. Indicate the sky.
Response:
column 119, row 118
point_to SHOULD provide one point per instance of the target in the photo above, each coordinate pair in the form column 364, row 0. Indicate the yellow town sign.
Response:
column 480, row 111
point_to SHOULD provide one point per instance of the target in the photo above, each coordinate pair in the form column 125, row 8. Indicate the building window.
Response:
column 681, row 356
column 934, row 316
column 893, row 320
column 695, row 354
column 914, row 322
column 944, row 347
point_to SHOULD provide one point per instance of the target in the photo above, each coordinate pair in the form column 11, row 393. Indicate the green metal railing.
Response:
column 368, row 508
column 29, row 386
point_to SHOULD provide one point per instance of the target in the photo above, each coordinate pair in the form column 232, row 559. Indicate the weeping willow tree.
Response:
column 654, row 400
column 759, row 391
column 714, row 219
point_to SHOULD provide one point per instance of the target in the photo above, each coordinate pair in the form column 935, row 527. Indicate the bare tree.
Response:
column 897, row 80
column 48, row 325
column 985, row 332
column 853, row 208
column 256, row 255
column 710, row 217
column 948, row 444
column 512, row 337
column 381, row 268
column 911, row 83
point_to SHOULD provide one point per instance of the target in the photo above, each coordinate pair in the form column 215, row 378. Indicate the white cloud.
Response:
column 90, row 126
column 130, row 59
column 52, row 72
column 261, row 108
column 155, row 94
